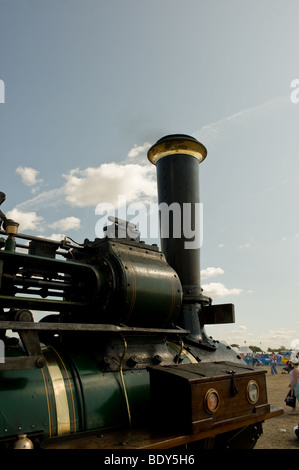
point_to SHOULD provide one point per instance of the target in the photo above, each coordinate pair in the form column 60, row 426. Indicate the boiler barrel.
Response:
column 69, row 394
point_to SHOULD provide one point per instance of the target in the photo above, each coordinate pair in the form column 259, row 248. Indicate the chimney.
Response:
column 177, row 158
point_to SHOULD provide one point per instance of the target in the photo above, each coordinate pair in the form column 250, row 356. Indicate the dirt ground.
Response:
column 278, row 433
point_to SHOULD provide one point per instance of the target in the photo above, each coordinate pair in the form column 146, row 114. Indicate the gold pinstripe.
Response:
column 62, row 407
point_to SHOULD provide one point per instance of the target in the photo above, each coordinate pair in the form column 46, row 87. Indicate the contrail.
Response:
column 211, row 132
column 50, row 198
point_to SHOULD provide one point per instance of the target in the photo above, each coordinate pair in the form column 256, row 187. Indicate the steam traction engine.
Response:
column 121, row 359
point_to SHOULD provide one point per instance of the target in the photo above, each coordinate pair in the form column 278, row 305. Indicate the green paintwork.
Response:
column 23, row 403
column 96, row 398
column 10, row 244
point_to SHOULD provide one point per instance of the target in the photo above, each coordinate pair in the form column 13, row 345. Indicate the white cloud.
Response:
column 277, row 338
column 66, row 224
column 240, row 329
column 242, row 335
column 28, row 175
column 210, row 272
column 27, row 220
column 56, row 236
column 136, row 179
column 105, row 183
column 217, row 289
column 138, row 149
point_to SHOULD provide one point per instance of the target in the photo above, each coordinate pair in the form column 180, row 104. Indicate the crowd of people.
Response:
column 292, row 367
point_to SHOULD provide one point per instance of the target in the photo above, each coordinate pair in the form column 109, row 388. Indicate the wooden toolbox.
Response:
column 192, row 398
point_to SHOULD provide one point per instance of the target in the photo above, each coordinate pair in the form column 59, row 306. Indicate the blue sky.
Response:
column 90, row 85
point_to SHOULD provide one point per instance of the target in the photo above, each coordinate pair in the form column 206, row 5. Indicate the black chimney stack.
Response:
column 177, row 158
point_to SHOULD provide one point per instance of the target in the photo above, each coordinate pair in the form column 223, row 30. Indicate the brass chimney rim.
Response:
column 176, row 144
